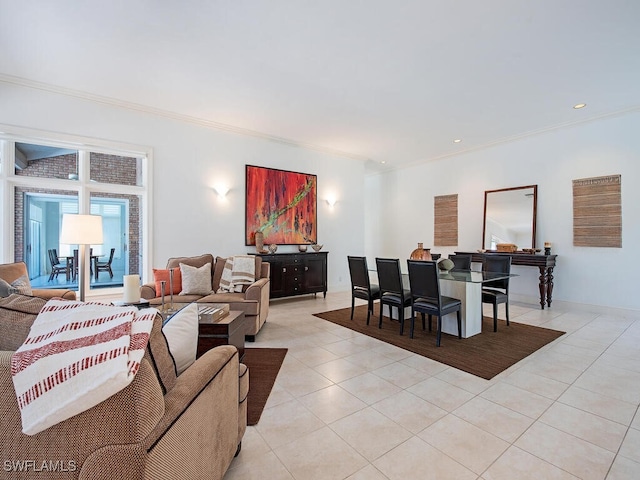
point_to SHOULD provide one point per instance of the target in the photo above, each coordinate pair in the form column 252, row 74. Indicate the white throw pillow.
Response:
column 181, row 331
column 196, row 281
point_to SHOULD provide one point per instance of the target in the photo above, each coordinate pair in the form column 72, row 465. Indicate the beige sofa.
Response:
column 254, row 301
column 10, row 272
column 159, row 426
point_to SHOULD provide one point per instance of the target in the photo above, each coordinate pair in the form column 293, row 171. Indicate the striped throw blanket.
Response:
column 76, row 356
column 238, row 271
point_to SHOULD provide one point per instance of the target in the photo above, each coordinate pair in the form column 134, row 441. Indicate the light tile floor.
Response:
column 346, row 406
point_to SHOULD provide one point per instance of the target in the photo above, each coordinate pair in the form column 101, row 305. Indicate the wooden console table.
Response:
column 545, row 264
column 296, row 273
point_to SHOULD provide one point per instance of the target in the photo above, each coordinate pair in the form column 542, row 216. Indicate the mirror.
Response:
column 510, row 217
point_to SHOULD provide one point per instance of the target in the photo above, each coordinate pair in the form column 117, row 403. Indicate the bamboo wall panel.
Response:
column 445, row 214
column 597, row 212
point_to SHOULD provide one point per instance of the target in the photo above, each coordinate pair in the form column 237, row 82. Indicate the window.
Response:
column 45, row 177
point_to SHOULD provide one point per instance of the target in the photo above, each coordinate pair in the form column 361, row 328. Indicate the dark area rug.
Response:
column 264, row 365
column 484, row 355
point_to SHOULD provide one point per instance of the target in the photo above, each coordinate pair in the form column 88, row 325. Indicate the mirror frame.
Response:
column 534, row 213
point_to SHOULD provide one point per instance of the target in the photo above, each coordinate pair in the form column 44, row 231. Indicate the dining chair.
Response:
column 361, row 286
column 392, row 292
column 56, row 267
column 105, row 266
column 461, row 261
column 426, row 297
column 497, row 291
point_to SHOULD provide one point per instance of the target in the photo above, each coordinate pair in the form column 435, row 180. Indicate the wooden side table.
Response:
column 228, row 330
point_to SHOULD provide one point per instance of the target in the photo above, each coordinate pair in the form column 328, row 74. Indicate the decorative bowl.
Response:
column 316, row 247
column 302, row 248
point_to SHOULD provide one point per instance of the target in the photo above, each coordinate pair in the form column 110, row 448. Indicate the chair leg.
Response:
column 459, row 324
column 439, row 333
column 370, row 309
column 401, row 318
column 380, row 322
column 422, row 313
column 495, row 317
column 413, row 323
column 353, row 305
column 506, row 306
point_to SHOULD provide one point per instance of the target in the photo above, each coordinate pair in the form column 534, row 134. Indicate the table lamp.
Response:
column 81, row 230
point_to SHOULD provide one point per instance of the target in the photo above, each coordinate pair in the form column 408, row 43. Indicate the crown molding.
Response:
column 24, row 82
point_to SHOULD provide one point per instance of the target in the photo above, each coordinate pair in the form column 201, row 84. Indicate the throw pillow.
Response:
column 181, row 331
column 20, row 285
column 163, row 275
column 196, row 281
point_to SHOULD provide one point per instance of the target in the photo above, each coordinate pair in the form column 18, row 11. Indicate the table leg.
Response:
column 543, row 285
column 549, row 285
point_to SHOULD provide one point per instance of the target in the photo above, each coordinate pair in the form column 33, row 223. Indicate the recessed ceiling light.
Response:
column 383, row 162
column 579, row 105
column 457, row 140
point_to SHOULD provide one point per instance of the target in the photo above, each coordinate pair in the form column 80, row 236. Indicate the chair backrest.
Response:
column 52, row 258
column 113, row 250
column 389, row 275
column 423, row 279
column 359, row 272
column 497, row 264
column 461, row 261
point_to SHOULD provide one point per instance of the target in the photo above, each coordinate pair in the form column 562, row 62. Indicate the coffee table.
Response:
column 228, row 330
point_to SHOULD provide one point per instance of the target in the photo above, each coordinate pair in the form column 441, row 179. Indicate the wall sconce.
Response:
column 331, row 201
column 222, row 191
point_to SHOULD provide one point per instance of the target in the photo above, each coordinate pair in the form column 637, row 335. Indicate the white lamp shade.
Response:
column 81, row 229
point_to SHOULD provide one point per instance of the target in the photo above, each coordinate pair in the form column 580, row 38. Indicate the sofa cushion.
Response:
column 17, row 313
column 219, row 268
column 191, row 261
column 159, row 356
column 195, row 280
column 160, row 275
column 181, row 331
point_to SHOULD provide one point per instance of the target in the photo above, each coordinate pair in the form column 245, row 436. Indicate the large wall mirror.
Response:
column 510, row 217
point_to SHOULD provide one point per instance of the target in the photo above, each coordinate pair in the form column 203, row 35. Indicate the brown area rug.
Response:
column 484, row 355
column 264, row 365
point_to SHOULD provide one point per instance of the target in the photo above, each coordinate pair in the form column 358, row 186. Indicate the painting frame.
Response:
column 282, row 204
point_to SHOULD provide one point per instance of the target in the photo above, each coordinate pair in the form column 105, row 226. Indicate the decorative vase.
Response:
column 273, row 247
column 302, row 248
column 421, row 253
column 259, row 236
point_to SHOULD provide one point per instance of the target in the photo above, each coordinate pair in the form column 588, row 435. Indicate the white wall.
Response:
column 400, row 212
column 188, row 160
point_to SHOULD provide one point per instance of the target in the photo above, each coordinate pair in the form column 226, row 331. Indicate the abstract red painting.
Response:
column 280, row 204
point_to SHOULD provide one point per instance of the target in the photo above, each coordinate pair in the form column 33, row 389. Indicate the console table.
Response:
column 545, row 264
column 297, row 273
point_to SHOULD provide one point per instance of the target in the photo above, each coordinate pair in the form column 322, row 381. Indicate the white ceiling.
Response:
column 381, row 80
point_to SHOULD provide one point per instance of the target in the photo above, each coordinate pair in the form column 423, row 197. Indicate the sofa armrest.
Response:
column 91, row 441
column 254, row 292
column 205, row 370
column 148, row 291
column 49, row 293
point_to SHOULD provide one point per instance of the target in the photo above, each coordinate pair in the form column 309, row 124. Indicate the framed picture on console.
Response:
column 282, row 205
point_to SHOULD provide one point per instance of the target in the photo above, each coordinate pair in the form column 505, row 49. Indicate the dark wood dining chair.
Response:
column 56, row 266
column 497, row 291
column 426, row 297
column 105, row 266
column 392, row 292
column 361, row 286
column 461, row 261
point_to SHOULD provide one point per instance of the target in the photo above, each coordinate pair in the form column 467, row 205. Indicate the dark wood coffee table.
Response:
column 229, row 330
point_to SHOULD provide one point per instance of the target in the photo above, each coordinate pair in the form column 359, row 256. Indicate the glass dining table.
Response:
column 466, row 285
